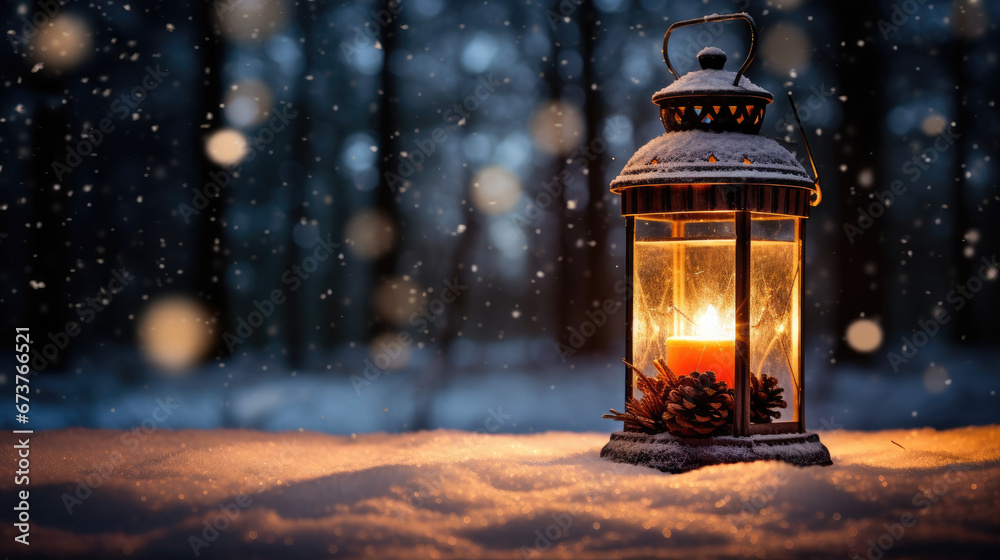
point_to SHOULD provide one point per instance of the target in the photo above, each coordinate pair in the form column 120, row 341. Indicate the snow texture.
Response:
column 701, row 82
column 711, row 51
column 451, row 494
column 683, row 157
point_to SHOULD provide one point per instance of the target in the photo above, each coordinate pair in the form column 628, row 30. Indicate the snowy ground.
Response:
column 453, row 494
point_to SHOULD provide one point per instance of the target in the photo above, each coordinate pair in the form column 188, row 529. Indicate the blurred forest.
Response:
column 453, row 160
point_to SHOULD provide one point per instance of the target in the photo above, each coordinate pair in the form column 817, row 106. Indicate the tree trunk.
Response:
column 295, row 312
column 597, row 281
column 210, row 255
column 48, row 291
column 48, row 264
column 385, row 198
column 564, row 285
column 962, row 267
column 859, row 292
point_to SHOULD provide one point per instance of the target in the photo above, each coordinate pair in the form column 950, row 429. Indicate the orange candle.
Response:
column 710, row 350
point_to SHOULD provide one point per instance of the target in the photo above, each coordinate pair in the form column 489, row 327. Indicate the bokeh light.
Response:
column 932, row 125
column 866, row 178
column 175, row 332
column 390, row 351
column 248, row 103
column 227, row 147
column 969, row 18
column 397, row 299
column 864, row 335
column 251, row 20
column 370, row 234
column 63, row 42
column 557, row 128
column 788, row 5
column 784, row 48
column 936, row 379
column 495, row 190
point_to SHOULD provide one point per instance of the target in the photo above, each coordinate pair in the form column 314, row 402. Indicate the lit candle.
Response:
column 710, row 350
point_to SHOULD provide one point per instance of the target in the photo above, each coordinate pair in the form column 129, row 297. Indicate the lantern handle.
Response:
column 708, row 19
column 818, row 192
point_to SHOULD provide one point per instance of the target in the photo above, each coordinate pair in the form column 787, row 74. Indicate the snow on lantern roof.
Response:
column 701, row 156
column 711, row 80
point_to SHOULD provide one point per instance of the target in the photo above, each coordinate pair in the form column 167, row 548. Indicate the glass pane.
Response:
column 775, row 274
column 684, row 293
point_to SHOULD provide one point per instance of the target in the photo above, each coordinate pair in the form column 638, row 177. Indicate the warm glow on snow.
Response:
column 480, row 495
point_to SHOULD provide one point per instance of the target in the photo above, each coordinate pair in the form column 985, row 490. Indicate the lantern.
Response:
column 715, row 219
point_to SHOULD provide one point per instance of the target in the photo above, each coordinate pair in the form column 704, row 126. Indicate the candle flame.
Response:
column 708, row 323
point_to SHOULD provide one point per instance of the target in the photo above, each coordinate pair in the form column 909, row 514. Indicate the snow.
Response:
column 683, row 157
column 708, row 51
column 701, row 82
column 453, row 494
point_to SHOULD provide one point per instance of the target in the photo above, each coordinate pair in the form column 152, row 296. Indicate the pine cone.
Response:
column 647, row 414
column 699, row 406
column 765, row 399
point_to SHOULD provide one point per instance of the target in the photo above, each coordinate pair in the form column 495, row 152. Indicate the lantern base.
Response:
column 674, row 454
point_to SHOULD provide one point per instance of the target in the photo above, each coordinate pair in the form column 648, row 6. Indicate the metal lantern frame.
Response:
column 671, row 181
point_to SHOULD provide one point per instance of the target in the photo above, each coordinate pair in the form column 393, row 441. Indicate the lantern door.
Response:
column 721, row 292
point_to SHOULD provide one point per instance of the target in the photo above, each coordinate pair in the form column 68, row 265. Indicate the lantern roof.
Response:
column 712, row 119
column 702, row 156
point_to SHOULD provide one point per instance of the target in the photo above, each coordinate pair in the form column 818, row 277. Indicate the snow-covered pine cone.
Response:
column 765, row 399
column 699, row 406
